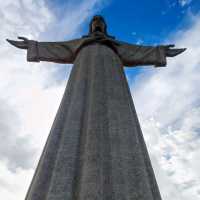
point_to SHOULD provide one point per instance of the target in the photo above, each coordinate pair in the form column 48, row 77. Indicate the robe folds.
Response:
column 95, row 149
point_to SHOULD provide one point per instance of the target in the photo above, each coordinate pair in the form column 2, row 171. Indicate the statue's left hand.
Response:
column 19, row 44
column 169, row 52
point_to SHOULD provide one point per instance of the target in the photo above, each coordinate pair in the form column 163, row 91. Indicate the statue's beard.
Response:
column 98, row 28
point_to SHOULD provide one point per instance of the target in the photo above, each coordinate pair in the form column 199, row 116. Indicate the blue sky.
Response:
column 142, row 21
column 166, row 99
column 149, row 21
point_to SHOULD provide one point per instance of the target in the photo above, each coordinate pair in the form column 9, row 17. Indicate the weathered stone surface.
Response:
column 95, row 149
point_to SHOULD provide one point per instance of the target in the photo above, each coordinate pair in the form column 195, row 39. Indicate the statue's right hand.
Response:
column 19, row 44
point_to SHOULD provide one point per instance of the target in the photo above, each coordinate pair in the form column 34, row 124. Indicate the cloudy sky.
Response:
column 167, row 99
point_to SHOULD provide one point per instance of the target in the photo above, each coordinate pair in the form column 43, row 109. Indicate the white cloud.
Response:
column 184, row 2
column 30, row 92
column 65, row 27
column 168, row 104
column 14, row 185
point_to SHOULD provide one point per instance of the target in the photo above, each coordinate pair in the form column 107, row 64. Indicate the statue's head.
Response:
column 98, row 24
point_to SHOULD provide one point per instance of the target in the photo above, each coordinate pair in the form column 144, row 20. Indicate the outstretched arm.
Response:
column 133, row 55
column 59, row 52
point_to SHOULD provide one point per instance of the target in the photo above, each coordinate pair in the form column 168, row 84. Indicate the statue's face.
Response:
column 98, row 24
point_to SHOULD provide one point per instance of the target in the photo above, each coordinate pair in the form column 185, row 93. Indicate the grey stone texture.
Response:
column 95, row 149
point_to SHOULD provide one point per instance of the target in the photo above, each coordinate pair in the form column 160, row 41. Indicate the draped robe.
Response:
column 95, row 149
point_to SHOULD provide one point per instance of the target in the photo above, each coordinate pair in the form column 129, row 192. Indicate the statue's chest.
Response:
column 98, row 54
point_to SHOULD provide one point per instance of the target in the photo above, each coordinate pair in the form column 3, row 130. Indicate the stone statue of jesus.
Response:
column 95, row 149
